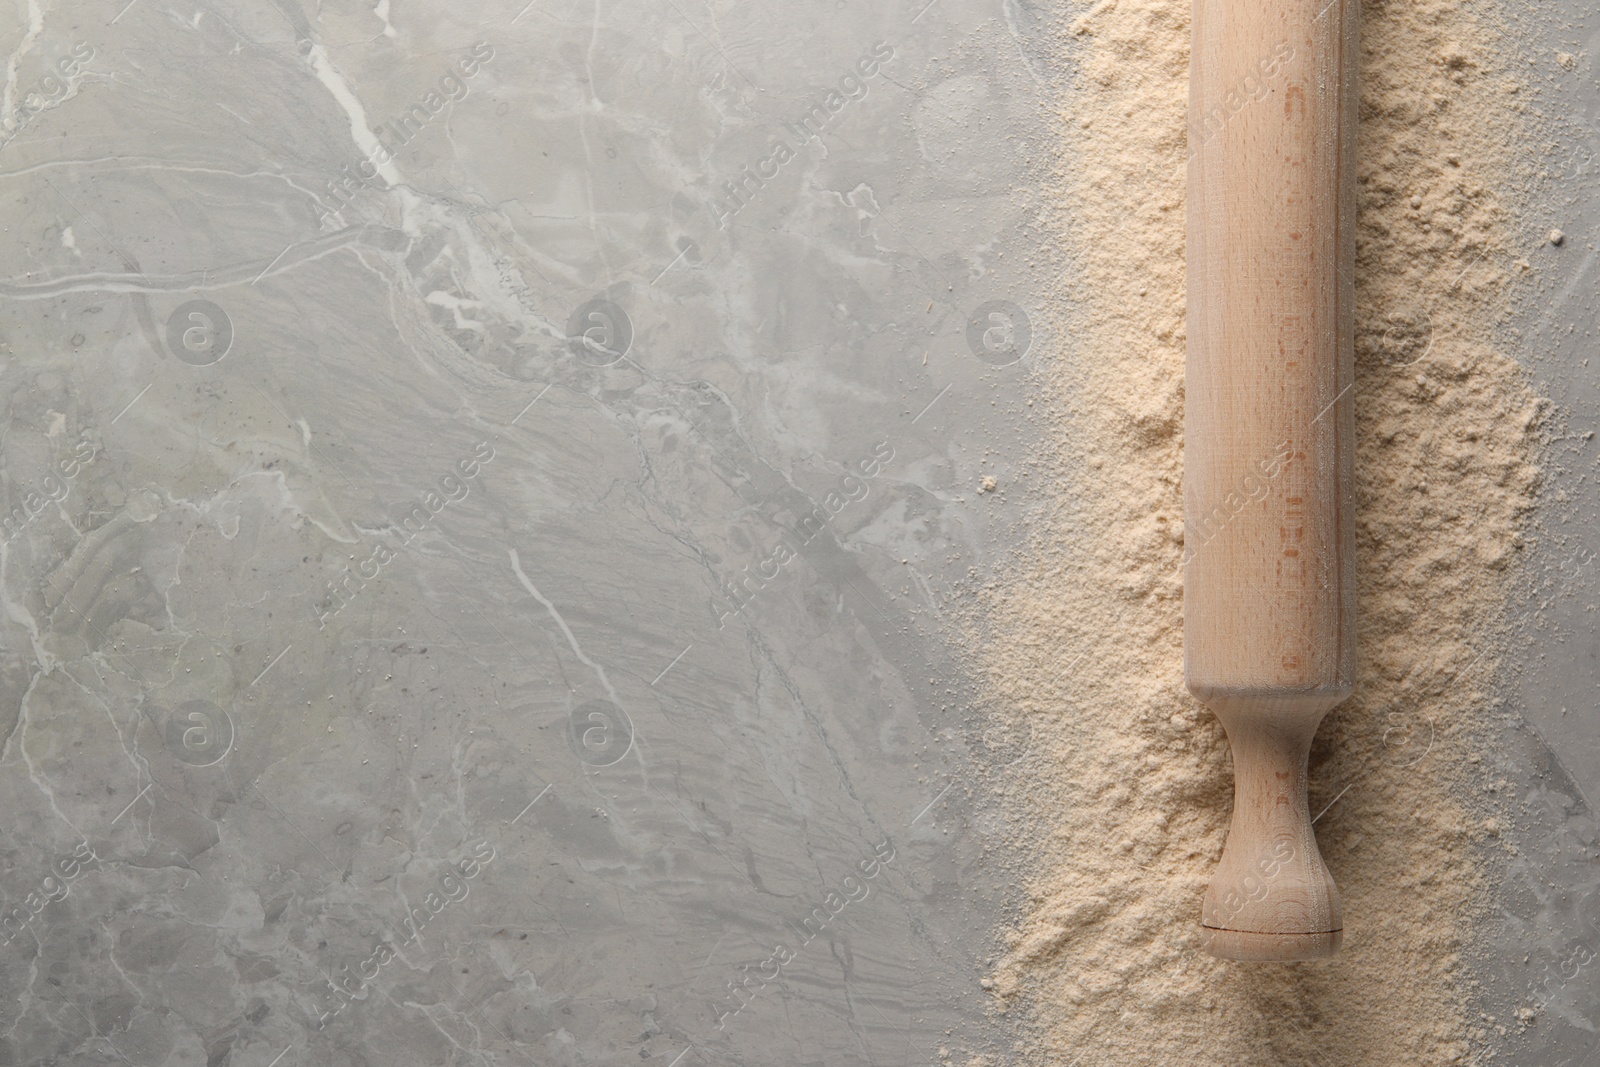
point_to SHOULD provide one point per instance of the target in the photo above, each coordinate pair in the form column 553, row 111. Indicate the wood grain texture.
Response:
column 1269, row 592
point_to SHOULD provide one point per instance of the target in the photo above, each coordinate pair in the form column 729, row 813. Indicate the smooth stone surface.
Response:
column 398, row 662
column 477, row 587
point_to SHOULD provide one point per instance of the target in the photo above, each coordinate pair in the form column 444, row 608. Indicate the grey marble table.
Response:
column 482, row 485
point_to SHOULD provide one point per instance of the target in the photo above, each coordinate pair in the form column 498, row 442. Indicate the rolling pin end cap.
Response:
column 1252, row 947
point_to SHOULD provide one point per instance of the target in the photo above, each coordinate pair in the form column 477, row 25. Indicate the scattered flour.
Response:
column 1118, row 810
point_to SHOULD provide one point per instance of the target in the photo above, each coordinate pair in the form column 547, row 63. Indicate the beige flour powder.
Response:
column 1119, row 809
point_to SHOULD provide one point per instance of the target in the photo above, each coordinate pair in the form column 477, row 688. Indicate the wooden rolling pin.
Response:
column 1269, row 627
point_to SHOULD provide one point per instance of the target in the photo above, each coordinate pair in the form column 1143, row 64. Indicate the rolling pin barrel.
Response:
column 1269, row 435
